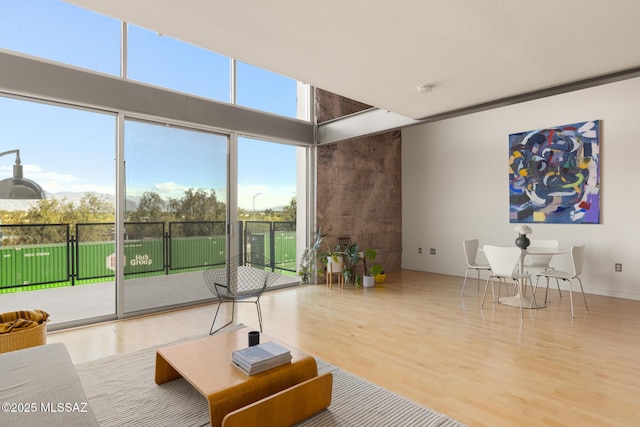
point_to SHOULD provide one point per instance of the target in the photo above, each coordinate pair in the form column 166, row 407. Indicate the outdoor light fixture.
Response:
column 19, row 187
column 254, row 205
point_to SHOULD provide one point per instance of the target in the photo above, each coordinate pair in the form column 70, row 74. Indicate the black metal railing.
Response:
column 45, row 254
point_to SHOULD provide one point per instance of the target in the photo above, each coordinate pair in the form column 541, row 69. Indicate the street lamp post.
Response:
column 254, row 205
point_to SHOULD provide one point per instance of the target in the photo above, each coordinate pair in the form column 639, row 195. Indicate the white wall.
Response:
column 455, row 186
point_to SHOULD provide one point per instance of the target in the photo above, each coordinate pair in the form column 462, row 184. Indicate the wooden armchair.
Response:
column 287, row 407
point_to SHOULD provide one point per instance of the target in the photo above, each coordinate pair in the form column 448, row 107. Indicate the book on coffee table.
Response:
column 259, row 358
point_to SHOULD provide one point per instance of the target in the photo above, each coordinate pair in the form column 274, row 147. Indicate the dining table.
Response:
column 528, row 301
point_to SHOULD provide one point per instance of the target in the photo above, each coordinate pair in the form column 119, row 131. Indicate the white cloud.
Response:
column 170, row 189
column 31, row 169
column 51, row 181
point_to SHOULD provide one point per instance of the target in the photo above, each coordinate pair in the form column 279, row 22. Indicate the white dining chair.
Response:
column 504, row 262
column 470, row 253
column 537, row 263
column 577, row 259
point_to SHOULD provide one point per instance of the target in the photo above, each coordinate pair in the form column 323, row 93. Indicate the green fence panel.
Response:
column 35, row 264
column 259, row 244
column 7, row 267
column 41, row 264
column 143, row 256
column 96, row 259
column 285, row 247
column 188, row 252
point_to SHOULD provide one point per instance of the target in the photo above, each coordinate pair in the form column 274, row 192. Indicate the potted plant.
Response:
column 307, row 267
column 333, row 259
column 351, row 256
column 371, row 273
column 378, row 273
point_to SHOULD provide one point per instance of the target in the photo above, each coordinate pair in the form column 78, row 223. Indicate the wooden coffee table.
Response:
column 206, row 364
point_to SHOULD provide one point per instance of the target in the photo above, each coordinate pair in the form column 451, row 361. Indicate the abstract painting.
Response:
column 554, row 175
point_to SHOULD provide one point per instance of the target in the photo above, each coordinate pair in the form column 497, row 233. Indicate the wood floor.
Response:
column 415, row 336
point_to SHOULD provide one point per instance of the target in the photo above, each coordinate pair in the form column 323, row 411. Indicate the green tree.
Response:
column 91, row 208
column 289, row 212
column 198, row 205
column 243, row 214
column 50, row 211
column 94, row 208
column 13, row 217
column 151, row 208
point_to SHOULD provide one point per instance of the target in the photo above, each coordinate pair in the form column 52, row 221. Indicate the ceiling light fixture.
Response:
column 425, row 88
column 19, row 187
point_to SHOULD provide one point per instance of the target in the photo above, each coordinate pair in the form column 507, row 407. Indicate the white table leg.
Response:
column 514, row 301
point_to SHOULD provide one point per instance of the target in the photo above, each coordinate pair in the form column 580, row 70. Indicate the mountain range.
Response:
column 24, row 205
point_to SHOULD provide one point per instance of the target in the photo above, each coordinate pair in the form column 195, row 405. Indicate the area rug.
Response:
column 122, row 392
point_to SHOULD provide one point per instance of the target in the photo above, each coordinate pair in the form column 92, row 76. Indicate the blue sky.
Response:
column 72, row 150
column 61, row 149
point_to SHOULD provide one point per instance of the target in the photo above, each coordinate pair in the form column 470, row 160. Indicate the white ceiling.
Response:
column 378, row 52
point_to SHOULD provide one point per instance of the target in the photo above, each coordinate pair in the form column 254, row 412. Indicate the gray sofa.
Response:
column 39, row 386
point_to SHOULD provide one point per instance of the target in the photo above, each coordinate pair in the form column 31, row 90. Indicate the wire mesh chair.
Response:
column 243, row 279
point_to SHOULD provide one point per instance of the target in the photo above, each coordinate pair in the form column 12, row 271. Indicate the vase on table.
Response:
column 523, row 241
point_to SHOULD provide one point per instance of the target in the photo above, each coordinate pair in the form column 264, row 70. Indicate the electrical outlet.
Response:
column 618, row 267
column 419, row 250
column 432, row 251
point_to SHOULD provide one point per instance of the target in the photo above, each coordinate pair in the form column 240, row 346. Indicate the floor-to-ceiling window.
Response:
column 56, row 243
column 267, row 202
column 60, row 32
column 167, row 62
column 266, row 91
column 175, row 221
column 82, row 40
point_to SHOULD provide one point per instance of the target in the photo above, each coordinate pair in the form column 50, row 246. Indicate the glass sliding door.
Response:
column 57, row 210
column 267, row 203
column 175, row 214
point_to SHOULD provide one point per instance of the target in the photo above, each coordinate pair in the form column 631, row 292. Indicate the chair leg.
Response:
column 521, row 290
column 570, row 297
column 485, row 291
column 546, row 292
column 478, row 283
column 500, row 279
column 505, row 286
column 583, row 295
column 233, row 309
column 557, row 284
column 534, row 303
column 464, row 284
column 259, row 313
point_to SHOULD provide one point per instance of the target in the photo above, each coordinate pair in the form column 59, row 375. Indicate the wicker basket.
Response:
column 23, row 339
